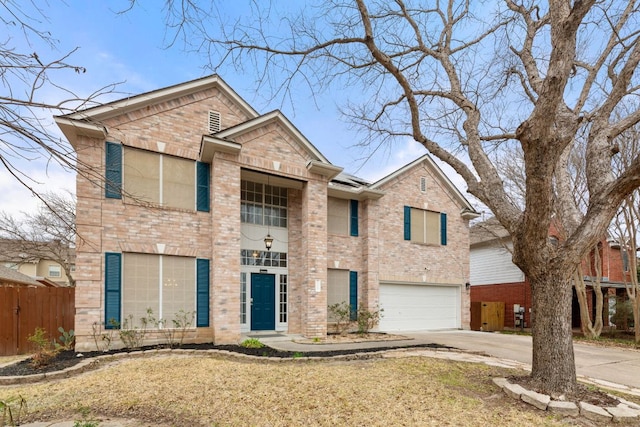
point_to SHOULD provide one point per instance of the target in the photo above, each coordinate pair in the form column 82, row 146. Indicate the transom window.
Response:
column 263, row 258
column 263, row 204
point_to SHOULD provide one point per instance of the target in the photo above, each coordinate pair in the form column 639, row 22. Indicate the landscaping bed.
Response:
column 67, row 358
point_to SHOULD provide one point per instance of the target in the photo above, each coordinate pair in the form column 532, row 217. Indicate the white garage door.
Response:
column 419, row 307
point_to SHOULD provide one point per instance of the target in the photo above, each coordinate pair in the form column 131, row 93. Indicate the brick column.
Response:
column 370, row 285
column 225, row 257
column 314, row 253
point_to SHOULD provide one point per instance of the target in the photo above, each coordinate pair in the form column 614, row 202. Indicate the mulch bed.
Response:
column 65, row 359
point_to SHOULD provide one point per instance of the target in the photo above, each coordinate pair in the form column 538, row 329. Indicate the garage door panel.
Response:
column 418, row 307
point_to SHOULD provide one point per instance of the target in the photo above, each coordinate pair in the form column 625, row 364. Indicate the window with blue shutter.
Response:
column 113, row 171
column 407, row 223
column 202, row 292
column 443, row 229
column 353, row 294
column 112, row 290
column 203, row 182
column 354, row 218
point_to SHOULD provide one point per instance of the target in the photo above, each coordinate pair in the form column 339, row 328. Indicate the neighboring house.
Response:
column 11, row 277
column 30, row 258
column 494, row 277
column 197, row 183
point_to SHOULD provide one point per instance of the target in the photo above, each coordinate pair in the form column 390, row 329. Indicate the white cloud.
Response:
column 18, row 199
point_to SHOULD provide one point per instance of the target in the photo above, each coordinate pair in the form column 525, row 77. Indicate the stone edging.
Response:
column 624, row 412
column 101, row 361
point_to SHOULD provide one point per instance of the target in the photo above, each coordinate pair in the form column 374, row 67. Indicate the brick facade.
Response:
column 172, row 121
column 491, row 235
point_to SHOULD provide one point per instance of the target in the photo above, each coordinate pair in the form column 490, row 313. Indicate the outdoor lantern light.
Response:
column 268, row 241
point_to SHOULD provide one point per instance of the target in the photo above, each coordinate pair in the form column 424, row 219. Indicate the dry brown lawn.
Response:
column 206, row 391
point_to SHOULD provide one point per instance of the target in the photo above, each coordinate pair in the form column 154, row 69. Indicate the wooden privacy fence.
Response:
column 23, row 309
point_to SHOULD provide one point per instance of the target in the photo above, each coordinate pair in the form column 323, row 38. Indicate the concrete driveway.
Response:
column 616, row 365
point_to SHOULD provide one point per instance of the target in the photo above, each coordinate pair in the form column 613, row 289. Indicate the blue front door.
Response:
column 263, row 302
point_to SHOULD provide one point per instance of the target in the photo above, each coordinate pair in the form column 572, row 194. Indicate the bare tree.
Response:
column 625, row 225
column 510, row 167
column 466, row 80
column 31, row 93
column 49, row 233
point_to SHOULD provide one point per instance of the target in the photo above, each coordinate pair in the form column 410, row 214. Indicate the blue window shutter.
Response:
column 353, row 294
column 354, row 217
column 202, row 292
column 443, row 228
column 113, row 171
column 112, row 289
column 202, row 176
column 407, row 223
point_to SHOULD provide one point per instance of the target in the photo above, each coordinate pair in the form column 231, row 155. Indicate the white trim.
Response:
column 273, row 116
column 171, row 92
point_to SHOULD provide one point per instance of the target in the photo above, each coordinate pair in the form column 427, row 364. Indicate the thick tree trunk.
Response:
column 553, row 368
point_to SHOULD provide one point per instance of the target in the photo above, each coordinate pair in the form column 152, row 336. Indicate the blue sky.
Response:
column 129, row 48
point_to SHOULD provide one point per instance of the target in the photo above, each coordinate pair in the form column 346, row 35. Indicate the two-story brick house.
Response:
column 179, row 191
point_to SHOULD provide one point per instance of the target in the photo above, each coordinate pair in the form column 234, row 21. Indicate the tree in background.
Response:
column 625, row 225
column 31, row 94
column 469, row 81
column 49, row 233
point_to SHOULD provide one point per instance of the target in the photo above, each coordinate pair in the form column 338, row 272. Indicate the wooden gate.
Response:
column 23, row 309
column 487, row 316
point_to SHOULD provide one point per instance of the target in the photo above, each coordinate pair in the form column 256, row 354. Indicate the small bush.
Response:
column 252, row 343
column 133, row 336
column 44, row 350
column 368, row 319
column 340, row 313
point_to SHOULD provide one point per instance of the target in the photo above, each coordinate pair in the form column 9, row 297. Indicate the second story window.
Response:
column 55, row 270
column 157, row 179
column 263, row 204
column 423, row 226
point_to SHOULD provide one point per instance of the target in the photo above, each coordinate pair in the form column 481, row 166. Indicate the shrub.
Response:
column 44, row 350
column 622, row 317
column 340, row 313
column 133, row 336
column 368, row 319
column 252, row 343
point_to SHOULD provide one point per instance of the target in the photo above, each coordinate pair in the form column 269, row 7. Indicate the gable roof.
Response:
column 488, row 231
column 87, row 122
column 11, row 277
column 224, row 138
column 452, row 189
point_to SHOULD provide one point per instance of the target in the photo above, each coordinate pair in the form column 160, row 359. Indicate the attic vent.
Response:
column 423, row 184
column 214, row 121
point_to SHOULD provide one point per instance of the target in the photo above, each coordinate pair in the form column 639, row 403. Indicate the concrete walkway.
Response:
column 615, row 368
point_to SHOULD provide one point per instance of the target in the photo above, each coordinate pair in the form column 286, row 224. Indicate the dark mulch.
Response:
column 65, row 359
